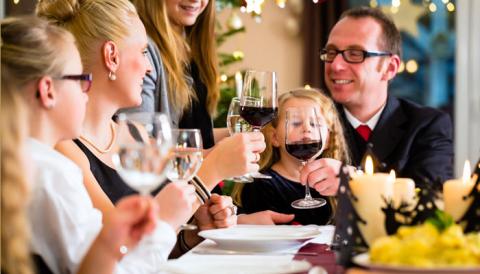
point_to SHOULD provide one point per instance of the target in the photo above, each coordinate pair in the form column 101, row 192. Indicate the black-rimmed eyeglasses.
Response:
column 85, row 80
column 353, row 56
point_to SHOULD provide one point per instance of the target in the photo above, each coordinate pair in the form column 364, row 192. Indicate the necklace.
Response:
column 110, row 145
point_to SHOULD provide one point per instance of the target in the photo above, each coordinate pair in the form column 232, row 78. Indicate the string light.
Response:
column 401, row 68
column 445, row 1
column 450, row 7
column 411, row 66
column 396, row 3
column 223, row 77
column 16, row 2
column 373, row 3
column 432, row 7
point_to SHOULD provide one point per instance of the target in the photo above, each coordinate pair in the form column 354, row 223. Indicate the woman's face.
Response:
column 71, row 97
column 133, row 66
column 299, row 129
column 184, row 13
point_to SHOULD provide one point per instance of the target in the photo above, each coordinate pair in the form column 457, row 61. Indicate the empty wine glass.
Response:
column 303, row 140
column 236, row 124
column 258, row 101
column 144, row 142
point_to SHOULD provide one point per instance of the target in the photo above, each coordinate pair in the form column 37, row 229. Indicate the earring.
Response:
column 50, row 105
column 112, row 76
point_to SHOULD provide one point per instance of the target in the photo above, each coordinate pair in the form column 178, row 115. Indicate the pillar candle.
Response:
column 454, row 191
column 370, row 188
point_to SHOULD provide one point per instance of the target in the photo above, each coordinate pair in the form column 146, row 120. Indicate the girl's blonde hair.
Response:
column 336, row 147
column 177, row 52
column 92, row 22
column 30, row 49
column 15, row 257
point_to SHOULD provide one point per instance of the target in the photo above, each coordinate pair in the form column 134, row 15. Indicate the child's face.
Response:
column 300, row 130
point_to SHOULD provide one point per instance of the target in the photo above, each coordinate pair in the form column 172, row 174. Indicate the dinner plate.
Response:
column 364, row 260
column 235, row 267
column 259, row 238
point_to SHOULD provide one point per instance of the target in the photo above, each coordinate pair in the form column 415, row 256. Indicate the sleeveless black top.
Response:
column 108, row 179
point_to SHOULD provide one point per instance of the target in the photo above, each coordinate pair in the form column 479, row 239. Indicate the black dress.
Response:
column 277, row 194
column 108, row 179
column 197, row 115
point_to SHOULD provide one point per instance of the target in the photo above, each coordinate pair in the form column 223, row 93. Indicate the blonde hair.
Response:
column 336, row 147
column 177, row 52
column 30, row 49
column 15, row 258
column 92, row 22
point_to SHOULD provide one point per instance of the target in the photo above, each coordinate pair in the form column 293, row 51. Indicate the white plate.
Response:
column 364, row 260
column 261, row 237
column 234, row 267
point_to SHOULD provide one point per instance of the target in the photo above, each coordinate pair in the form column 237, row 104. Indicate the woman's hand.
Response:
column 233, row 156
column 175, row 203
column 132, row 218
column 217, row 212
column 321, row 175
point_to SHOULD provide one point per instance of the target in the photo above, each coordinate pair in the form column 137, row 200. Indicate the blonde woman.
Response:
column 70, row 236
column 286, row 171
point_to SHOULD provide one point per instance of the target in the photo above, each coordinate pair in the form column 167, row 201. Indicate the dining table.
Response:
column 317, row 252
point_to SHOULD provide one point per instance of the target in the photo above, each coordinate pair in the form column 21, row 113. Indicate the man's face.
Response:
column 356, row 84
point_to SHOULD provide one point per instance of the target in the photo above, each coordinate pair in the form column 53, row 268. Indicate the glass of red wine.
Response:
column 303, row 140
column 258, row 101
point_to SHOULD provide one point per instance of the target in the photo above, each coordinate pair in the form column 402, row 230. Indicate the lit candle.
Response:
column 370, row 189
column 238, row 83
column 455, row 190
column 403, row 190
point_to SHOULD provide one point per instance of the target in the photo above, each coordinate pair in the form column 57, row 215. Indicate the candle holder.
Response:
column 348, row 239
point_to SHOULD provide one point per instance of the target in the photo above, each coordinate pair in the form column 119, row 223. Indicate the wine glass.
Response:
column 258, row 101
column 236, row 124
column 303, row 140
column 144, row 142
column 188, row 155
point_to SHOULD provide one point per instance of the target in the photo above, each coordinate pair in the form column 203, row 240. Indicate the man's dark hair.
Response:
column 391, row 40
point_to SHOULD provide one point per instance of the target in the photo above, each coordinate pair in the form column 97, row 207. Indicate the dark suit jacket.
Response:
column 414, row 140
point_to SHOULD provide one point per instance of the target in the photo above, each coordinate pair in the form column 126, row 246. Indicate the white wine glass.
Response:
column 303, row 140
column 236, row 124
column 258, row 101
column 141, row 157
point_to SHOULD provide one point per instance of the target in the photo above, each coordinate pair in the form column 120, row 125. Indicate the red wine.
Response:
column 304, row 150
column 258, row 116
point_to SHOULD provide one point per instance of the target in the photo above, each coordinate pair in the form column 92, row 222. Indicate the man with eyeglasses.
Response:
column 361, row 56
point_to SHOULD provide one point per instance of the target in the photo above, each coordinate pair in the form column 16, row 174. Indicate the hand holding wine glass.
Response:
column 303, row 140
column 258, row 101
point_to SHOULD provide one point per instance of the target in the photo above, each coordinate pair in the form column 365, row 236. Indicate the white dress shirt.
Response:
column 370, row 123
column 64, row 222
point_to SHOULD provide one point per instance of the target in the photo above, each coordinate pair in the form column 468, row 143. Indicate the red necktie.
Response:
column 364, row 131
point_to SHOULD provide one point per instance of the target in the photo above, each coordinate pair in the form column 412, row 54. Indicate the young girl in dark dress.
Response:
column 279, row 192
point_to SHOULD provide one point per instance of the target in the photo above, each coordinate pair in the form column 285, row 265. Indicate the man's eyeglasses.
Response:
column 353, row 56
column 85, row 80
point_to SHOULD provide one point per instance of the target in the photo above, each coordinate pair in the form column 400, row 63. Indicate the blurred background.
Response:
column 440, row 66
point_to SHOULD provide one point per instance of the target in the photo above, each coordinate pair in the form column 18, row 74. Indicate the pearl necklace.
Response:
column 110, row 145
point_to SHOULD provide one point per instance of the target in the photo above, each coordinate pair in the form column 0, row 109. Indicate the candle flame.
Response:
column 392, row 176
column 466, row 171
column 369, row 165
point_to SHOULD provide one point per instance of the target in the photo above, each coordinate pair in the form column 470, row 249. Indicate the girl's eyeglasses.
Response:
column 85, row 80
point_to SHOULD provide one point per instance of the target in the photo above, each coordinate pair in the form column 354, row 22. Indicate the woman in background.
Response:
column 285, row 186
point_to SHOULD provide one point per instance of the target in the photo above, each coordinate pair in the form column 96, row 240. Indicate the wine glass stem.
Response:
column 308, row 196
column 257, row 129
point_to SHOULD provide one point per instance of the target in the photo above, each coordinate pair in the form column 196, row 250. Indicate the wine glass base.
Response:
column 242, row 179
column 308, row 204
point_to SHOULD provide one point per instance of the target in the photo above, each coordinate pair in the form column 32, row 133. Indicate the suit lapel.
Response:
column 388, row 131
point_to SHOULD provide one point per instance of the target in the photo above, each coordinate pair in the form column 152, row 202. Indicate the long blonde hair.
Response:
column 15, row 257
column 31, row 48
column 177, row 52
column 92, row 22
column 336, row 147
